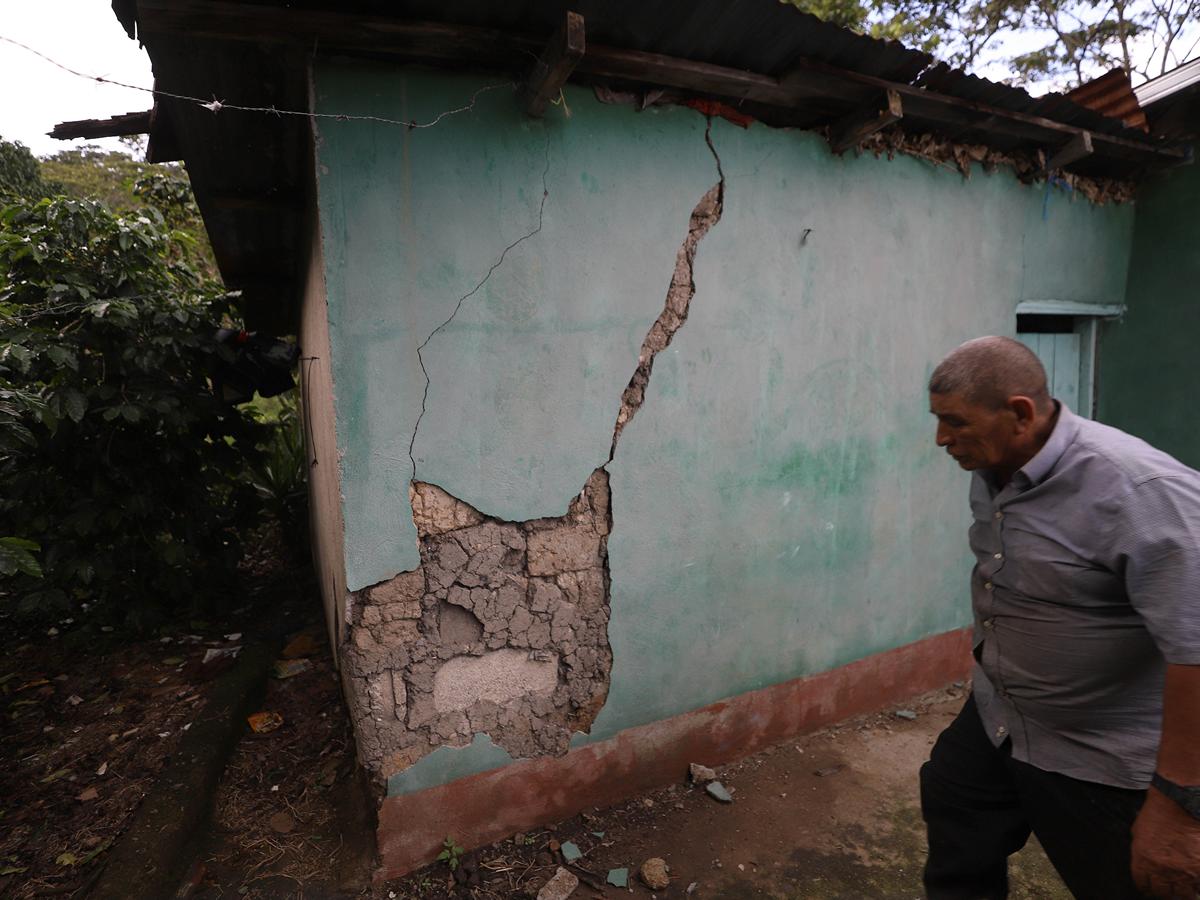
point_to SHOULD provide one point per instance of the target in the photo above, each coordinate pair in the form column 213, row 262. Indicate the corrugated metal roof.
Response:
column 1111, row 95
column 1057, row 107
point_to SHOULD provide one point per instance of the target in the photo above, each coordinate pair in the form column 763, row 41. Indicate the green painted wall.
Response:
column 779, row 507
column 1148, row 359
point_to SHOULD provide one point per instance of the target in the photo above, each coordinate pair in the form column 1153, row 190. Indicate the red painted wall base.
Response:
column 489, row 806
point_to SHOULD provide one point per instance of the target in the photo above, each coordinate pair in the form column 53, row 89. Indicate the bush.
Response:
column 116, row 458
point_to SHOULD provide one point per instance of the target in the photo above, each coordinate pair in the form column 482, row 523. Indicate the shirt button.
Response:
column 1001, row 731
column 987, row 585
column 988, row 623
column 997, row 556
column 999, row 515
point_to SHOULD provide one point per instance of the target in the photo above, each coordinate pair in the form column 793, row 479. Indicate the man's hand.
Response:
column 1166, row 850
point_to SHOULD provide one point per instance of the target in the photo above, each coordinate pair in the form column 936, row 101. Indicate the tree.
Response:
column 1042, row 43
column 20, row 173
column 115, row 456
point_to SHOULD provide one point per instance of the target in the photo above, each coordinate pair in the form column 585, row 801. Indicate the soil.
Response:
column 834, row 814
column 92, row 714
column 831, row 815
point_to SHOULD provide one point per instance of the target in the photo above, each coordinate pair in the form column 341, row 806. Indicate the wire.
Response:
column 215, row 106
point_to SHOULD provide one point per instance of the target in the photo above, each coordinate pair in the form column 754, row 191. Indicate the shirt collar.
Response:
column 1044, row 461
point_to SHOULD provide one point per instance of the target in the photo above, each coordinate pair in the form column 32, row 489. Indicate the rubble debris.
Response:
column 1028, row 166
column 717, row 790
column 701, row 774
column 561, row 886
column 828, row 770
column 618, row 877
column 264, row 722
column 656, row 874
column 282, row 823
column 906, row 714
column 289, row 668
column 571, row 851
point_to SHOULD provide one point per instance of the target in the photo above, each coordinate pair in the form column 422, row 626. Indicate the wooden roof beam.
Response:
column 554, row 66
column 440, row 42
column 116, row 126
column 858, row 126
column 1079, row 147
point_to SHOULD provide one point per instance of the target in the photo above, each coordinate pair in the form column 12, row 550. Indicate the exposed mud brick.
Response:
column 470, row 642
column 554, row 551
column 436, row 512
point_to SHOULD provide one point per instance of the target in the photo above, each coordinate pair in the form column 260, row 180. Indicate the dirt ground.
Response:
column 832, row 815
column 90, row 720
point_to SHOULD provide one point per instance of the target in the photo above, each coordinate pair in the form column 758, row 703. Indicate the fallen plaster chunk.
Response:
column 499, row 676
column 560, row 887
column 717, row 791
column 618, row 877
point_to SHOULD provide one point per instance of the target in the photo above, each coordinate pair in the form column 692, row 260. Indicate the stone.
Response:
column 571, row 851
column 717, row 791
column 701, row 774
column 561, row 886
column 905, row 714
column 654, row 873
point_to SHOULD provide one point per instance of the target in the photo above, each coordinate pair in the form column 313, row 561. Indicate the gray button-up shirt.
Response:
column 1087, row 583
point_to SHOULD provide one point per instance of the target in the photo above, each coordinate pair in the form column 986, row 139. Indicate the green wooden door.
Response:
column 1060, row 354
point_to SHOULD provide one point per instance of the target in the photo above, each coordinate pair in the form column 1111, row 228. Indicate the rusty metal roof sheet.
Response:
column 1112, row 95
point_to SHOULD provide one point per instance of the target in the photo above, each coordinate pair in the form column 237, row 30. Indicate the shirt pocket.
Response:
column 1041, row 568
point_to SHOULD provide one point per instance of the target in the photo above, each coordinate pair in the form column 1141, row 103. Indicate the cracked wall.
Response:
column 502, row 630
column 778, row 502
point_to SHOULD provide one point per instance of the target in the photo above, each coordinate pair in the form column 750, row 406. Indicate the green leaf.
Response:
column 61, row 356
column 66, row 859
column 76, row 404
column 16, row 555
column 12, row 870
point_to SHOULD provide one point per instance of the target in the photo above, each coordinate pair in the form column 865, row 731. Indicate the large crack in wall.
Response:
column 503, row 628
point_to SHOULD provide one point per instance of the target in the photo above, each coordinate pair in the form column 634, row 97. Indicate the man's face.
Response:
column 976, row 436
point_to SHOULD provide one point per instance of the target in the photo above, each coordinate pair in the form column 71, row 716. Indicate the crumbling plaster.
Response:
column 779, row 512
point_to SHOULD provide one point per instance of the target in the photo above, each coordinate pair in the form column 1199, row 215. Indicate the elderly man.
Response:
column 1084, row 722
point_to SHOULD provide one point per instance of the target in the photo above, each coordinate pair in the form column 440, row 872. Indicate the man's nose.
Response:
column 943, row 435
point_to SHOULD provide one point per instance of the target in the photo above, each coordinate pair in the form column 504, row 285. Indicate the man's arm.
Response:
column 1166, row 839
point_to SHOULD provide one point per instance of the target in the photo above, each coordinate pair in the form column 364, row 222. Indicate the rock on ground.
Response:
column 560, row 887
column 654, row 873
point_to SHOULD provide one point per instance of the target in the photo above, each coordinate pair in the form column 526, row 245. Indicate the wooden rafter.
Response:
column 554, row 66
column 856, row 127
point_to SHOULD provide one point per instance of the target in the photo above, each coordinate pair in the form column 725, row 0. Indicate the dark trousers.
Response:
column 980, row 806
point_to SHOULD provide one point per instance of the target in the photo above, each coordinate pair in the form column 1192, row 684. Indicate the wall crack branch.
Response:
column 467, row 296
column 704, row 216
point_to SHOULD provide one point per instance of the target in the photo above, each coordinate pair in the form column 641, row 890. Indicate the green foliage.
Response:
column 451, row 853
column 280, row 476
column 127, row 186
column 1073, row 40
column 114, row 455
column 16, row 555
column 20, row 174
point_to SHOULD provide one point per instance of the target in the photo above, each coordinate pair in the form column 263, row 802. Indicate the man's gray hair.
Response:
column 989, row 370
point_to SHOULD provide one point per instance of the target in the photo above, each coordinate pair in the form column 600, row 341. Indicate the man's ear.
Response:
column 1025, row 411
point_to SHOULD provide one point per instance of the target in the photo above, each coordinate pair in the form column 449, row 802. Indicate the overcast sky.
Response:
column 83, row 34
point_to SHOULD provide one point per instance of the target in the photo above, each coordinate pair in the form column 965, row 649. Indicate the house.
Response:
column 615, row 324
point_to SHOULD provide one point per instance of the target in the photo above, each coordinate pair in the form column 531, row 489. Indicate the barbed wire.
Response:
column 215, row 106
